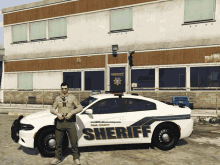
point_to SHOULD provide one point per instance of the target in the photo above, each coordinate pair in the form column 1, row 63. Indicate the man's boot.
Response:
column 77, row 161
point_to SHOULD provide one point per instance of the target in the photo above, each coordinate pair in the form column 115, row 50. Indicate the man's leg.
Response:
column 73, row 140
column 59, row 139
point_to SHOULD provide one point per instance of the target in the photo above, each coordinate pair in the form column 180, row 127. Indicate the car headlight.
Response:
column 27, row 127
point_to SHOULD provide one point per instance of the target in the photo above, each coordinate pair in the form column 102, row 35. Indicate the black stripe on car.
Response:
column 140, row 127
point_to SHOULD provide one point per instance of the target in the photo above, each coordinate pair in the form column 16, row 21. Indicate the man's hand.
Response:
column 60, row 116
column 68, row 116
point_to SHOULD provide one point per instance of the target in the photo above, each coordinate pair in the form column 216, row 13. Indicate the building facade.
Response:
column 2, row 53
column 176, row 44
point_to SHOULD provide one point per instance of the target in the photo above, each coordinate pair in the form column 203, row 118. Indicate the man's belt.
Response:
column 64, row 115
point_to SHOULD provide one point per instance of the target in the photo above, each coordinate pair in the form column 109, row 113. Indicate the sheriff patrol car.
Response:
column 107, row 119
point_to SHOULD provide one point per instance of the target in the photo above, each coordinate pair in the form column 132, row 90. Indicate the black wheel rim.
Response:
column 165, row 136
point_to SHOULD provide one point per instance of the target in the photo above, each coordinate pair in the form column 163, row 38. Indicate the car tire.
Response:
column 43, row 142
column 165, row 137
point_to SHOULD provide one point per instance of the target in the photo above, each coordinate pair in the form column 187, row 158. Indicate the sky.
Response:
column 10, row 3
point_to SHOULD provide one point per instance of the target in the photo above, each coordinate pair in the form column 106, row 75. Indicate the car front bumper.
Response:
column 26, row 138
column 15, row 128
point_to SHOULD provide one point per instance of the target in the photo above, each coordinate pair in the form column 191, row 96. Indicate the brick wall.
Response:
column 21, row 97
column 200, row 99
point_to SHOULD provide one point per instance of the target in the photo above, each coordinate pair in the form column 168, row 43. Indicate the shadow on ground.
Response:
column 67, row 152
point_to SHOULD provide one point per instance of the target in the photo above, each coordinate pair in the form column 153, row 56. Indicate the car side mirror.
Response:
column 89, row 111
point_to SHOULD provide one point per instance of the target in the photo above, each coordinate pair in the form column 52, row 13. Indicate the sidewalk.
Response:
column 32, row 108
column 21, row 109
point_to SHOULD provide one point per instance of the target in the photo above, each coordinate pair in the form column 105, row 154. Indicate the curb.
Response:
column 13, row 112
column 204, row 115
column 18, row 114
column 22, row 108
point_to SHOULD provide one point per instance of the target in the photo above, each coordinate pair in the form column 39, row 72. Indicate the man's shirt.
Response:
column 66, row 104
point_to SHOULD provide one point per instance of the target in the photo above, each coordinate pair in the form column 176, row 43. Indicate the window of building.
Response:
column 19, row 33
column 172, row 77
column 107, row 106
column 38, row 30
column 199, row 10
column 73, row 79
column 121, row 19
column 94, row 80
column 25, row 81
column 144, row 78
column 132, row 105
column 205, row 77
column 57, row 28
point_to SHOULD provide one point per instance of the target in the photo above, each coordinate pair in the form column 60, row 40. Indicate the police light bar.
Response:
column 115, row 93
column 96, row 92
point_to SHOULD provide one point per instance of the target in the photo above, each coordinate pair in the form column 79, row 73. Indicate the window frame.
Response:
column 140, row 100
column 39, row 39
column 86, row 72
column 200, row 21
column 20, row 89
column 91, row 107
column 121, row 30
column 70, row 88
column 58, row 37
column 12, row 32
column 29, row 31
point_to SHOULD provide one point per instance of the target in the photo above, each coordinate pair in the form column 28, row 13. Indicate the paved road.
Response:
column 202, row 148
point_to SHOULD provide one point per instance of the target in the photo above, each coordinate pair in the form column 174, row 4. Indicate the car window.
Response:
column 87, row 101
column 106, row 106
column 130, row 105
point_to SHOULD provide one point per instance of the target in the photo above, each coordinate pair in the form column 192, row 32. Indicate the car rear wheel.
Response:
column 47, row 143
column 165, row 137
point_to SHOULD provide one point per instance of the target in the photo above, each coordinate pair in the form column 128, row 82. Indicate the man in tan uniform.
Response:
column 66, row 115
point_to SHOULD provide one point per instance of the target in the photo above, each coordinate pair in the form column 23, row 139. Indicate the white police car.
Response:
column 109, row 119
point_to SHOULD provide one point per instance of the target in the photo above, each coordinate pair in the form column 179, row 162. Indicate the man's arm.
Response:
column 54, row 106
column 78, row 105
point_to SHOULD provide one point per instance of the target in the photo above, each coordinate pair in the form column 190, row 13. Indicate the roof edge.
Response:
column 32, row 5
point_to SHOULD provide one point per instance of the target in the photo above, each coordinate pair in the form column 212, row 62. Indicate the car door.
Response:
column 138, row 117
column 99, row 128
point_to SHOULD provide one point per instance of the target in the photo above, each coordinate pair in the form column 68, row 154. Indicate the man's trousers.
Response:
column 70, row 128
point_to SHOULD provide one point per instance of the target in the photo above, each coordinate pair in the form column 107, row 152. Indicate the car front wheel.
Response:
column 47, row 143
column 165, row 137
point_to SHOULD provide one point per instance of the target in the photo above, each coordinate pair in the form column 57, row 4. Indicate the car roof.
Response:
column 103, row 96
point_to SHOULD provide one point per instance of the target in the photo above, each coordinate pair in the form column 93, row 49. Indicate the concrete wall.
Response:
column 156, row 26
column 10, row 81
column 47, row 80
column 41, row 80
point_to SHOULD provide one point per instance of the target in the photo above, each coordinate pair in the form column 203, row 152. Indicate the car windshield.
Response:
column 87, row 101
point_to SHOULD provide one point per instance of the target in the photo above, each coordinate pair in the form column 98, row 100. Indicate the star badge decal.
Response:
column 117, row 80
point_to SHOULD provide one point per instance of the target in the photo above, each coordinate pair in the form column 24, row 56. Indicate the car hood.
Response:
column 37, row 115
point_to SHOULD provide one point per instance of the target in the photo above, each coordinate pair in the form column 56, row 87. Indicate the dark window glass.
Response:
column 204, row 77
column 144, row 78
column 177, row 75
column 107, row 106
column 94, row 80
column 131, row 105
column 73, row 79
column 0, row 68
column 87, row 101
